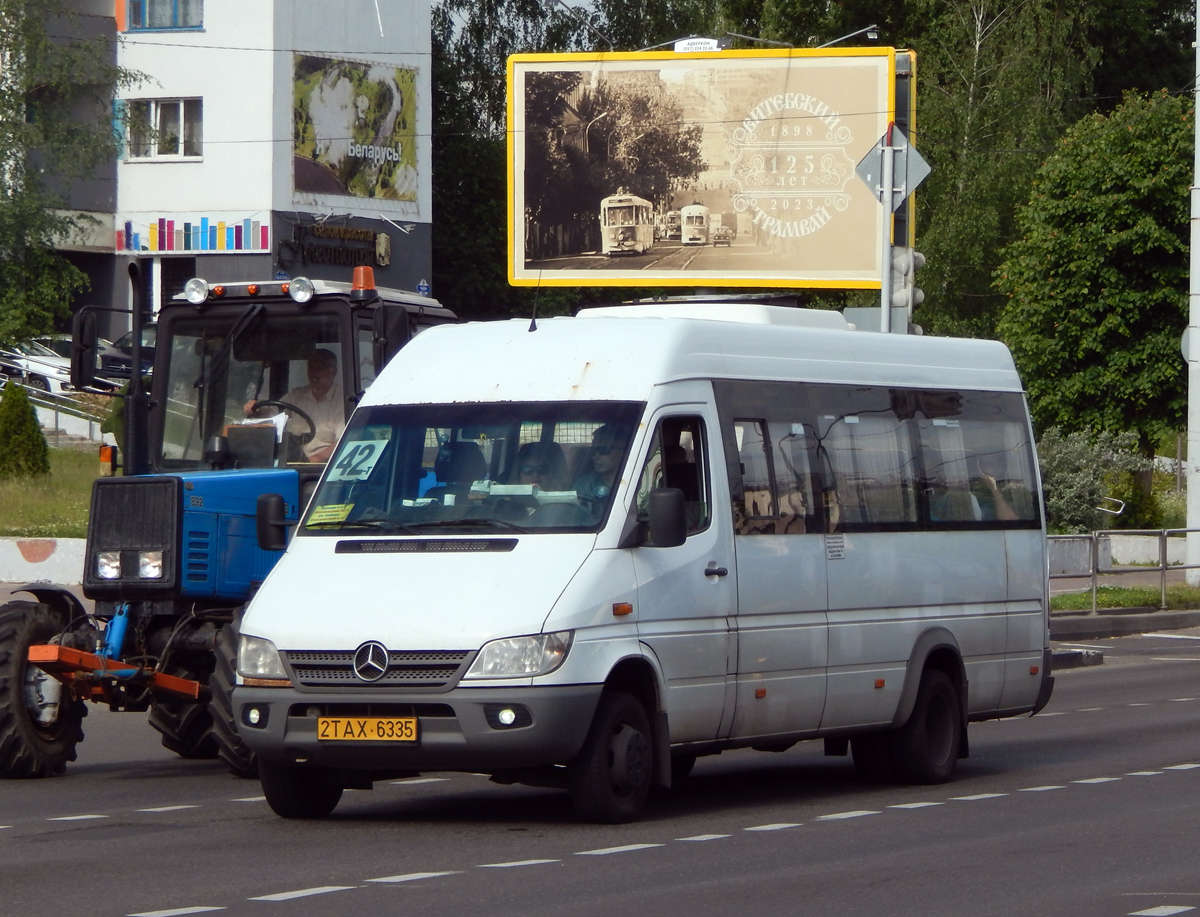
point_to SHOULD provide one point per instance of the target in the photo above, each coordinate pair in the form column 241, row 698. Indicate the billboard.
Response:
column 731, row 168
column 354, row 130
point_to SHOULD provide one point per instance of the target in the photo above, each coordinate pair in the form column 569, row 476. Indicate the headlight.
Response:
column 258, row 658
column 514, row 657
column 108, row 564
column 196, row 291
column 150, row 564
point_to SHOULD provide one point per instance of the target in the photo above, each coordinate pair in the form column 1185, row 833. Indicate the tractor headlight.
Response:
column 301, row 289
column 150, row 564
column 108, row 565
column 258, row 658
column 195, row 291
column 515, row 657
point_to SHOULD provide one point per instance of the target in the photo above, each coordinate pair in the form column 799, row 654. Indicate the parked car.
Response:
column 37, row 366
column 61, row 344
column 116, row 364
column 722, row 235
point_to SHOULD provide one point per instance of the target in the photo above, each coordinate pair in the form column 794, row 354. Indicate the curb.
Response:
column 42, row 560
column 1074, row 659
column 1093, row 627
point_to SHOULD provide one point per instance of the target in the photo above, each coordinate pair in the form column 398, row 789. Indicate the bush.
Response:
column 23, row 450
column 1080, row 470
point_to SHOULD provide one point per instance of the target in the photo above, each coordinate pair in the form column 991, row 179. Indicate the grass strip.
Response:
column 53, row 506
column 1178, row 596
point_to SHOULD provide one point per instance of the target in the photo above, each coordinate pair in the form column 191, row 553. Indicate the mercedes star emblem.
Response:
column 371, row 661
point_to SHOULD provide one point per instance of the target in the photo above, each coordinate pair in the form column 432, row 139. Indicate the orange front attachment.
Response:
column 82, row 671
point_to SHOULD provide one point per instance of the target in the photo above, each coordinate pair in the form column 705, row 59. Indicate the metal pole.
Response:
column 1193, row 362
column 1095, row 547
column 1162, row 563
column 885, row 237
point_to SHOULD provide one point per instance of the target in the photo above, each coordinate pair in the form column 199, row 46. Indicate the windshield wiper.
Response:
column 452, row 523
column 379, row 525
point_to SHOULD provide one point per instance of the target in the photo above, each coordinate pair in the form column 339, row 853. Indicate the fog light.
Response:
column 506, row 716
column 150, row 564
column 108, row 564
column 255, row 716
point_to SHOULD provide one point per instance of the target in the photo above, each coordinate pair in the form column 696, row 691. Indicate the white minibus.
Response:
column 587, row 552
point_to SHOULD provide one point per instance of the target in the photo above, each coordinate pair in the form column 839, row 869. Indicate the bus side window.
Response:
column 677, row 459
column 754, row 510
column 797, row 509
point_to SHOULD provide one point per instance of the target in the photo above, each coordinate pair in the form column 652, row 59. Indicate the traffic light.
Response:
column 905, row 293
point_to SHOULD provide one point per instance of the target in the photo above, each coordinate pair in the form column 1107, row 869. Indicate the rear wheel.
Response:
column 295, row 792
column 926, row 748
column 186, row 726
column 231, row 749
column 610, row 777
column 40, row 724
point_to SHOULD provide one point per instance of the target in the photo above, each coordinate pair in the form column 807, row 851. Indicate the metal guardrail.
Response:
column 1094, row 571
column 59, row 404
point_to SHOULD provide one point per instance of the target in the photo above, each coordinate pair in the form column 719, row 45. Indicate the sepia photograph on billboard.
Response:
column 730, row 168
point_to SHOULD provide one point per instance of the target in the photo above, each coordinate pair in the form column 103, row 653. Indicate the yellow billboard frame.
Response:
column 791, row 90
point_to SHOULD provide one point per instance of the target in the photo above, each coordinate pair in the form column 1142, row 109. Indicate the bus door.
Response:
column 686, row 595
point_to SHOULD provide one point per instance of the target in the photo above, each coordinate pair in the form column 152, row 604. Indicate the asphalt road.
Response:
column 1091, row 808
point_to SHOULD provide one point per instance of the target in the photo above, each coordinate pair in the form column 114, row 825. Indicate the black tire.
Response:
column 231, row 749
column 186, row 726
column 39, row 383
column 873, row 756
column 28, row 749
column 610, row 777
column 299, row 792
column 681, row 768
column 926, row 748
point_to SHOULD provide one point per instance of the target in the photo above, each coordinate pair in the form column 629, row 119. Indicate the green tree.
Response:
column 25, row 453
column 55, row 128
column 1097, row 281
column 1082, row 470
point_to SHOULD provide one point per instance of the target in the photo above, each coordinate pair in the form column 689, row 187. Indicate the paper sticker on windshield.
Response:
column 356, row 459
column 330, row 512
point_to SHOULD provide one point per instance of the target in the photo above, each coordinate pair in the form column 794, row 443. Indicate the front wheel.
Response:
column 299, row 792
column 610, row 777
column 231, row 747
column 926, row 748
column 40, row 724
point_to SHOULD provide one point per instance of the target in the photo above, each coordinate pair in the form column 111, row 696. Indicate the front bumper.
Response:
column 454, row 733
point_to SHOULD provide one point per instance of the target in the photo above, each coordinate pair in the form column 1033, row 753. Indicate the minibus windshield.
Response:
column 504, row 467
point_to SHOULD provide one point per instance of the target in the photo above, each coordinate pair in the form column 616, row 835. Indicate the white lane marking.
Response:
column 838, row 816
column 75, row 817
column 1087, row 646
column 776, row 827
column 5, row 827
column 168, row 808
column 1039, row 789
column 415, row 876
column 1138, row 705
column 516, row 863
column 703, row 837
column 625, row 848
column 1181, row 767
column 915, row 805
column 1172, row 636
column 1181, row 700
column 304, row 893
column 413, row 781
column 978, row 796
column 1053, row 713
column 1088, row 709
column 1175, row 658
column 177, row 912
column 1097, row 780
column 250, row 799
column 1163, row 910
column 1143, row 773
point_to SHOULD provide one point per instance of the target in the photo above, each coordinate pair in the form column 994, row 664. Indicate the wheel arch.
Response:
column 57, row 598
column 936, row 648
column 639, row 676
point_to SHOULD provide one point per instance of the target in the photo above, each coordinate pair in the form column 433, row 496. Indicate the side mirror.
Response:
column 668, row 521
column 83, row 349
column 270, row 522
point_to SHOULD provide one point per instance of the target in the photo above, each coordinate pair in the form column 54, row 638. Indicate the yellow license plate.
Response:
column 367, row 729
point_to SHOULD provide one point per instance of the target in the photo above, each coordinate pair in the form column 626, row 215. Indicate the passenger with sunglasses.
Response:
column 542, row 464
column 594, row 486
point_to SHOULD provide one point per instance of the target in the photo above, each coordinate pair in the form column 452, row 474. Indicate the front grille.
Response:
column 415, row 668
column 130, row 515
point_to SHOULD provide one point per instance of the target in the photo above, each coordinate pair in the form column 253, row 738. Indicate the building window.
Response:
column 166, row 14
column 165, row 128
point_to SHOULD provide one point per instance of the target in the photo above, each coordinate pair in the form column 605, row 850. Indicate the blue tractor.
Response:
column 251, row 386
